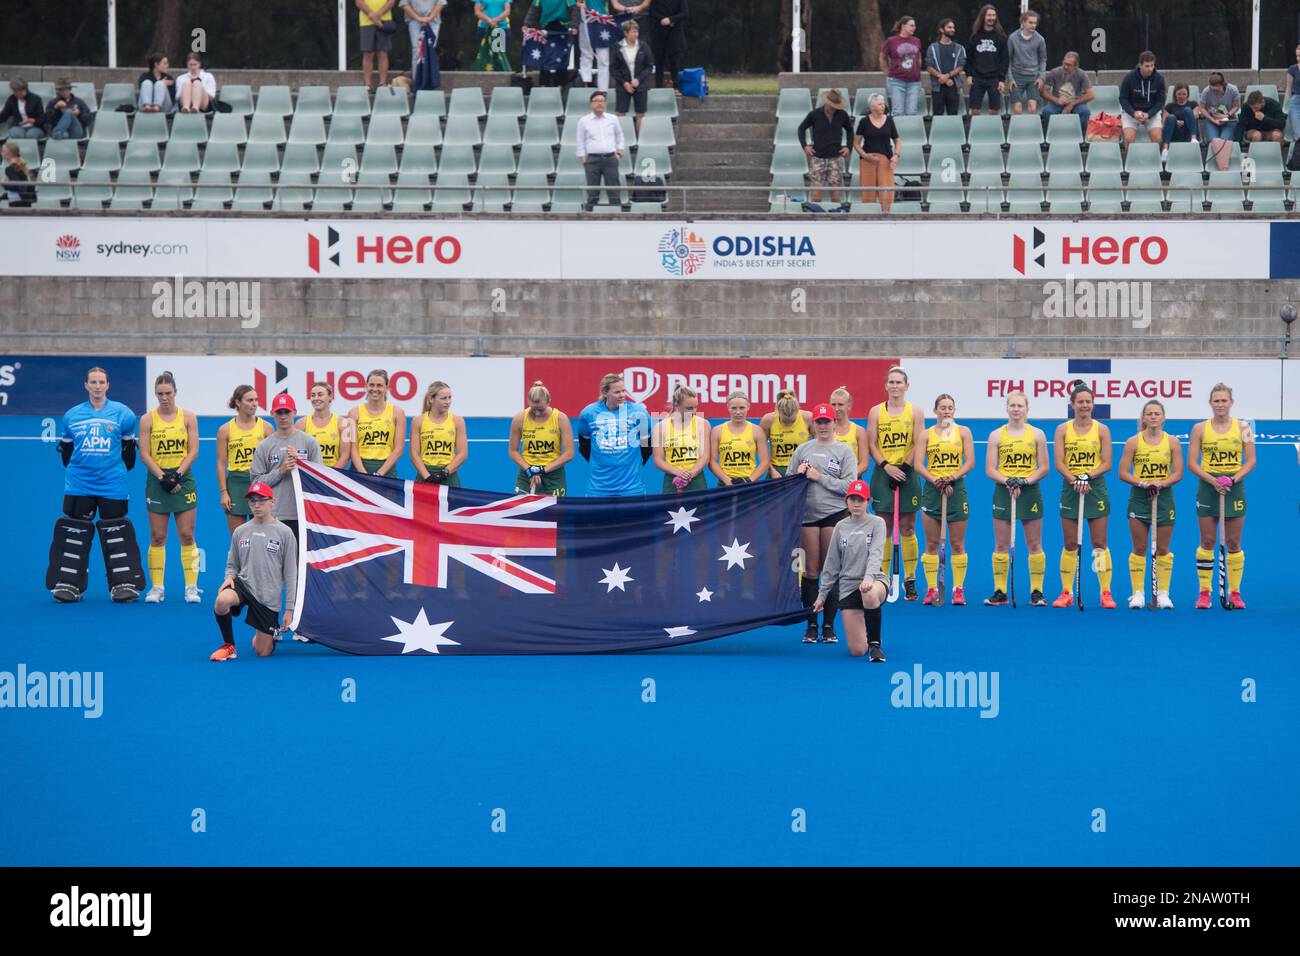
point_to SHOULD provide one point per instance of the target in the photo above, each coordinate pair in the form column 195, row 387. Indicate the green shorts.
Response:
column 1029, row 506
column 372, row 465
column 1096, row 504
column 1207, row 501
column 882, row 493
column 698, row 483
column 185, row 498
column 552, row 483
column 958, row 505
column 451, row 481
column 1139, row 507
column 237, row 483
column 781, row 470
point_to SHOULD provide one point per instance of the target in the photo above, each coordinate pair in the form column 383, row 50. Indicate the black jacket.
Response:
column 669, row 39
column 53, row 114
column 645, row 64
column 830, row 134
column 35, row 109
column 26, row 194
column 1139, row 94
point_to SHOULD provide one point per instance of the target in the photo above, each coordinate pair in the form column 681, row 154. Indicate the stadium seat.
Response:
column 535, row 159
column 1025, row 193
column 30, row 150
column 372, row 199
column 134, row 189
column 786, row 130
column 569, row 134
column 115, row 95
column 228, row 128
column 1105, row 100
column 794, row 101
column 239, row 97
column 305, row 128
column 862, row 100
column 987, row 131
column 379, row 159
column 52, row 195
column 945, row 198
column 431, row 103
column 570, row 191
column 390, row 101
column 63, row 155
column 166, row 199
column 629, row 130
column 501, row 130
column 346, row 131
column 110, row 128
column 385, row 130
column 1064, row 193
column 1264, row 200
column 339, row 157
column 788, row 191
column 650, row 161
column 1144, row 193
column 1265, row 156
column 466, row 101
column 911, row 130
column 423, row 129
column 419, row 160
column 491, row 192
column 300, row 158
column 313, row 101
column 1024, row 158
column 254, row 190
column 786, row 157
column 1142, row 157
column 266, row 128
column 506, row 101
column 1268, row 89
column 1066, row 158
column 1102, row 158
column 1234, row 158
column 947, row 130
column 149, row 128
column 1184, row 156
column 657, row 131
column 462, row 130
column 541, row 131
column 1186, row 192
column 273, row 100
column 94, row 188
column 912, row 160
column 661, row 103
column 351, row 101
column 42, row 88
column 104, row 155
column 141, row 156
column 293, row 192
column 496, row 161
column 944, row 158
column 984, row 191
column 1064, row 129
column 457, row 160
column 260, row 158
column 337, row 199
column 1229, row 194
column 189, row 128
column 451, row 193
column 221, row 157
column 984, row 158
column 182, row 156
column 213, row 192
column 545, row 102
column 412, row 200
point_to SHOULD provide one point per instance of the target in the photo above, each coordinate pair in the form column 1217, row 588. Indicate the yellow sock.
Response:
column 157, row 565
column 959, row 569
column 931, row 564
column 190, row 563
column 1137, row 570
column 1101, row 563
column 1037, row 570
column 1069, row 561
column 1236, row 565
column 1204, row 568
column 911, row 548
column 1001, row 562
column 1164, row 570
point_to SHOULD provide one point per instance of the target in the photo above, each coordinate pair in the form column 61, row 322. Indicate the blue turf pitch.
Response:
column 1136, row 713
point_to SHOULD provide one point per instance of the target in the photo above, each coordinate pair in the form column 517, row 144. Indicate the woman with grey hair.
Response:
column 878, row 146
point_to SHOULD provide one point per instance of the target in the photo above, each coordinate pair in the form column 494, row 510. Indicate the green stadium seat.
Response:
column 462, row 130
column 451, row 193
column 984, row 191
column 1186, row 190
column 339, row 158
column 788, row 157
column 431, row 103
column 793, row 101
column 945, row 157
column 52, row 195
column 786, row 130
column 1265, row 156
column 293, row 192
column 42, row 88
column 228, row 128
column 134, row 189
column 213, row 192
column 501, row 130
column 337, row 200
column 182, row 156
column 385, row 130
column 944, row 198
column 239, row 97
column 534, row 159
column 149, row 128
column 541, row 131
column 418, row 159
column 379, row 159
column 1064, row 129
column 412, row 200
column 1064, row 193
column 569, row 135
column 1066, row 158
column 987, row 131
column 1184, row 156
column 545, row 101
column 862, row 100
column 985, row 158
column 346, row 131
column 267, row 128
column 370, row 196
column 911, row 130
column 911, row 162
column 306, row 128
column 254, row 190
column 1234, row 158
column 115, row 95
column 568, row 161
column 166, row 199
column 1267, row 200
column 578, row 104
column 94, row 188
column 300, row 158
column 496, row 161
column 657, row 131
column 423, row 129
column 659, row 103
column 110, row 128
column 466, row 101
column 628, row 125
column 652, row 161
column 273, row 100
column 491, row 192
column 63, row 154
column 457, row 160
column 1105, row 99
column 141, row 156
column 1230, row 193
column 1268, row 89
column 507, row 101
column 1144, row 193
column 260, row 158
column 351, row 101
column 30, row 150
column 86, row 92
column 947, row 130
column 1102, row 158
column 1024, row 158
column 313, row 101
column 1025, row 193
column 570, row 190
column 221, row 157
column 1143, row 158
column 390, row 102
column 190, row 128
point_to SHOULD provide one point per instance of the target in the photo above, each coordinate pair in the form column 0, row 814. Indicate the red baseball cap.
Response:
column 858, row 488
column 282, row 401
column 260, row 489
column 823, row 411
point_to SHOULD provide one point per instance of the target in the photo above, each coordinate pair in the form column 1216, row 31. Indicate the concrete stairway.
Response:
column 725, row 141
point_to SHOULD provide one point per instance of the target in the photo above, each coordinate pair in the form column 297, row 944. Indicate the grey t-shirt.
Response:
column 856, row 554
column 1066, row 84
column 838, row 465
column 266, row 467
column 1212, row 99
column 263, row 557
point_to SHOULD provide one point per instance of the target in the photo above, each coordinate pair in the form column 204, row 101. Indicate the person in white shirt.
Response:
column 600, row 147
column 196, row 90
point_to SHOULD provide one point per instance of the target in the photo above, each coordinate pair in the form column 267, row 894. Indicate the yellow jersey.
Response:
column 784, row 439
column 376, row 437
column 541, row 440
column 169, row 442
column 850, row 438
column 241, row 443
column 1221, row 453
column 1017, row 454
column 738, row 454
column 945, row 455
column 1082, row 452
column 682, row 448
column 894, row 433
column 1152, row 462
column 374, row 6
column 328, row 437
column 437, row 441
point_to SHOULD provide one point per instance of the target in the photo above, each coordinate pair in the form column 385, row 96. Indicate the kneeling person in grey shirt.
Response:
column 853, row 573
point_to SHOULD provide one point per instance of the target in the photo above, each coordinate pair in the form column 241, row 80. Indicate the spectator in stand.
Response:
column 67, row 116
column 493, row 31
column 600, row 147
column 197, row 89
column 1293, row 94
column 1180, row 119
column 900, row 61
column 832, row 137
column 421, row 12
column 669, row 18
column 1261, row 120
column 15, row 174
column 156, row 86
column 377, row 28
column 1142, row 98
column 945, row 61
column 593, row 63
column 640, row 12
column 1219, row 107
column 878, row 147
column 631, row 68
column 987, row 61
column 1027, row 54
column 554, row 16
column 24, row 110
column 1066, row 89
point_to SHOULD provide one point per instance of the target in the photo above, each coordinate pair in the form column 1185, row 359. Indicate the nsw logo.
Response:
column 1019, row 251
column 67, row 248
column 682, row 251
column 331, row 249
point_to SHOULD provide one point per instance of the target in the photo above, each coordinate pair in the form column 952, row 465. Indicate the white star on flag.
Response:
column 420, row 635
column 616, row 577
column 735, row 553
column 678, row 631
column 604, row 35
column 537, row 54
column 681, row 518
column 704, row 594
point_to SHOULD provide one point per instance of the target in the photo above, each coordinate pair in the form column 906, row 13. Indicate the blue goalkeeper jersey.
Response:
column 96, row 467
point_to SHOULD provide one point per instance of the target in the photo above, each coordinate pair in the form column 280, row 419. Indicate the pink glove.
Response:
column 1224, row 481
column 679, row 482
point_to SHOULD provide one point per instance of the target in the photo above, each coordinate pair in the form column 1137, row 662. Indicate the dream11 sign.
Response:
column 575, row 383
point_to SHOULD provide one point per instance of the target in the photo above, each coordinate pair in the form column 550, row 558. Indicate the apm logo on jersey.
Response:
column 541, row 447
column 438, row 446
column 893, row 440
column 737, row 458
column 1018, row 459
column 243, row 456
column 944, row 459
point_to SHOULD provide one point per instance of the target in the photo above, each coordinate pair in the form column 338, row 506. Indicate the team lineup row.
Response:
column 910, row 468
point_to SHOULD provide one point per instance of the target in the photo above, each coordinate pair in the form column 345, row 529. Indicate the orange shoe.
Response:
column 226, row 652
column 1067, row 600
column 958, row 595
column 929, row 596
column 1108, row 600
column 1234, row 599
column 1203, row 601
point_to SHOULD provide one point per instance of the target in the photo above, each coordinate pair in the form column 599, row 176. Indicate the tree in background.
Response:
column 167, row 33
column 871, row 35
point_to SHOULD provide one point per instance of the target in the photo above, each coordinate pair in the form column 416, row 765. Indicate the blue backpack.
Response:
column 693, row 82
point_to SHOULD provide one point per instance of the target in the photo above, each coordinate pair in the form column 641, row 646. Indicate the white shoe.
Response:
column 192, row 593
column 155, row 595
column 1163, row 602
column 1164, row 154
column 1138, row 600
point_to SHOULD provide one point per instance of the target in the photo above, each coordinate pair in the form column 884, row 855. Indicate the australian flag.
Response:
column 412, row 568
column 546, row 50
column 427, row 73
column 602, row 29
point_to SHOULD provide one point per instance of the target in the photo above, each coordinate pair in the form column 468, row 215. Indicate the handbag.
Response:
column 1104, row 128
column 692, row 81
